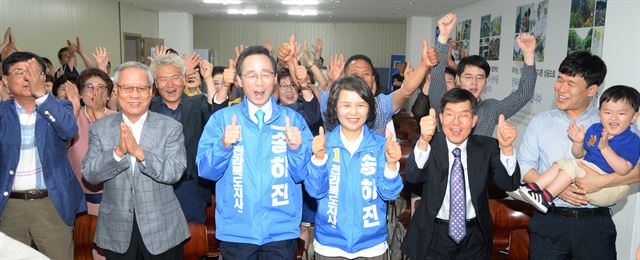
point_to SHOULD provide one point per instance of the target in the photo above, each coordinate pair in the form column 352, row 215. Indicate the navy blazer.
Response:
column 55, row 126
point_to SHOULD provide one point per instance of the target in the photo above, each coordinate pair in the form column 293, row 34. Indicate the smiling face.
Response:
column 134, row 93
column 288, row 92
column 352, row 111
column 258, row 79
column 616, row 116
column 170, row 82
column 93, row 86
column 363, row 70
column 572, row 93
column 472, row 79
column 194, row 81
column 458, row 120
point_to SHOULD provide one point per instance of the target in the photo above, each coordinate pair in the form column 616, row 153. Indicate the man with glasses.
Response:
column 192, row 112
column 39, row 196
column 137, row 155
column 472, row 74
column 257, row 153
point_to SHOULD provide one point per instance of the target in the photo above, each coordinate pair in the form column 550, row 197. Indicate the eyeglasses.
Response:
column 128, row 90
column 287, row 86
column 89, row 88
column 253, row 76
column 473, row 78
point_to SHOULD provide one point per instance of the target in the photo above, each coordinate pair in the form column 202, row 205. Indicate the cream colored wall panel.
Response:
column 377, row 40
column 139, row 21
column 44, row 26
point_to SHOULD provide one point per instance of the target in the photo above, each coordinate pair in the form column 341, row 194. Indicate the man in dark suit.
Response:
column 192, row 112
column 453, row 221
column 39, row 197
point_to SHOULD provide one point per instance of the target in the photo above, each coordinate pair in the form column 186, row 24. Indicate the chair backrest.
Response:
column 213, row 243
column 83, row 232
column 197, row 245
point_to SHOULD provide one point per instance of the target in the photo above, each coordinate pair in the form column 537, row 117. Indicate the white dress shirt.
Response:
column 136, row 129
column 267, row 109
column 421, row 157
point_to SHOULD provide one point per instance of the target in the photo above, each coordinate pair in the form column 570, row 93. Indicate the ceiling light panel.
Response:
column 300, row 2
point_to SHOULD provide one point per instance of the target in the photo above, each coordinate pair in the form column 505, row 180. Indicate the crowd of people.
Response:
column 283, row 142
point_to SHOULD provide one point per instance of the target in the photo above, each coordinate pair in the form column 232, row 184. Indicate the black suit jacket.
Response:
column 483, row 166
column 195, row 114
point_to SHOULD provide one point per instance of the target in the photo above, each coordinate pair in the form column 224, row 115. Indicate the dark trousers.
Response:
column 137, row 249
column 554, row 236
column 191, row 201
column 442, row 245
column 278, row 250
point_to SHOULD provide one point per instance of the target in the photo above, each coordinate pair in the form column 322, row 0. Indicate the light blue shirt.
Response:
column 546, row 141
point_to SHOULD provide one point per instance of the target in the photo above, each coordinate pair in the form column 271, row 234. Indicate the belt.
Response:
column 579, row 212
column 29, row 194
column 94, row 198
column 470, row 222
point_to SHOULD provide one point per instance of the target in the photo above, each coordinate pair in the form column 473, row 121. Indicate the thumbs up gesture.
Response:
column 292, row 133
column 229, row 74
column 319, row 145
column 507, row 133
column 231, row 133
column 393, row 153
column 428, row 126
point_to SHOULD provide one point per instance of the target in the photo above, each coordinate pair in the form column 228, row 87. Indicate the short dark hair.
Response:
column 58, row 82
column 473, row 60
column 283, row 73
column 582, row 63
column 358, row 57
column 90, row 73
column 60, row 51
column 217, row 70
column 355, row 84
column 459, row 95
column 47, row 61
column 20, row 56
column 621, row 92
column 450, row 71
column 254, row 50
column 171, row 50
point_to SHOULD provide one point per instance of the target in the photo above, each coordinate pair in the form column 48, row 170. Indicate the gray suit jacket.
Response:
column 145, row 191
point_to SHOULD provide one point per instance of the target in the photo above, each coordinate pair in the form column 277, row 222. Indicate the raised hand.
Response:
column 604, row 140
column 206, row 69
column 408, row 71
column 269, row 45
column 35, row 77
column 319, row 144
column 78, row 46
column 429, row 56
column 292, row 49
column 576, row 133
column 428, row 126
column 335, row 67
column 100, row 100
column 190, row 62
column 527, row 43
column 292, row 134
column 159, row 50
column 72, row 48
column 446, row 24
column 239, row 50
column 73, row 96
column 7, row 36
column 301, row 75
column 102, row 58
column 392, row 152
column 283, row 51
column 506, row 134
column 229, row 74
column 305, row 58
column 232, row 133
column 318, row 46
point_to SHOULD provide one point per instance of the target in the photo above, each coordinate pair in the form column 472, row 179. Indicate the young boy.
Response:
column 617, row 152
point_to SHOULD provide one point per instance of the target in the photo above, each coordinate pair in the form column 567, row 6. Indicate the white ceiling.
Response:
column 328, row 10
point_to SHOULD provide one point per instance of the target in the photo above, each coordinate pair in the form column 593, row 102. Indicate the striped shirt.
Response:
column 29, row 170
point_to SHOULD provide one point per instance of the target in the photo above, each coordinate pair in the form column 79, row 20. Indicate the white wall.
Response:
column 44, row 27
column 620, row 52
column 176, row 28
column 377, row 40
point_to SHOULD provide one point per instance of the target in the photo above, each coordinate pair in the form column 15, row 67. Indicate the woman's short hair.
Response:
column 355, row 84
